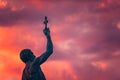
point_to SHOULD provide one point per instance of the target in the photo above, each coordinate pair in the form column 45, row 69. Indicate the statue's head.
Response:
column 26, row 55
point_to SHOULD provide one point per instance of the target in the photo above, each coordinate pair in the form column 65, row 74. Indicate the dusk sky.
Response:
column 85, row 34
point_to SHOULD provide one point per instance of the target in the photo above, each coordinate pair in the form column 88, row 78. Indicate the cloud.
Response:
column 12, row 14
column 85, row 36
column 65, row 72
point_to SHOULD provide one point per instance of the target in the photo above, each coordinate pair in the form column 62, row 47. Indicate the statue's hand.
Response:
column 46, row 32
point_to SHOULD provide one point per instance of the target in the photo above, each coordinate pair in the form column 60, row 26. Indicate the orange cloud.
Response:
column 3, row 3
column 59, row 70
column 15, row 8
column 118, row 25
column 10, row 64
column 34, row 3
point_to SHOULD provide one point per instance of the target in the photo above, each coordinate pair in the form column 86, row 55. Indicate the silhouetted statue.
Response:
column 32, row 70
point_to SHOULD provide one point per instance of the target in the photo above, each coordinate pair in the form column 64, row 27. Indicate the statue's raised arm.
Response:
column 49, row 47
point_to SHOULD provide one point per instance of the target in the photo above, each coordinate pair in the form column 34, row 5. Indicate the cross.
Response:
column 45, row 22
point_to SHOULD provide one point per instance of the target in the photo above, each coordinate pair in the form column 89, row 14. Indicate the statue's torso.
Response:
column 33, row 72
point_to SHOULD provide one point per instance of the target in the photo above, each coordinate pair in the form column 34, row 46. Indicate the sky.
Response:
column 85, row 34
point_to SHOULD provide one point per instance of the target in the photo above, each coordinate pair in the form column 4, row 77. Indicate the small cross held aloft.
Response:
column 45, row 22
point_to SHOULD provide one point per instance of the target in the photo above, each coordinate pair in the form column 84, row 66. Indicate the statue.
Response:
column 32, row 70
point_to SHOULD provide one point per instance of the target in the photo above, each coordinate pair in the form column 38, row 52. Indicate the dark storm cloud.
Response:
column 105, row 39
column 25, row 15
column 106, row 36
column 89, row 72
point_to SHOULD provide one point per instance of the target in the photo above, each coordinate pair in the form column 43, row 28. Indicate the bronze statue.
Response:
column 32, row 70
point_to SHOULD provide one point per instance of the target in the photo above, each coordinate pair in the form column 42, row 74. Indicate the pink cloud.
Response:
column 85, row 36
